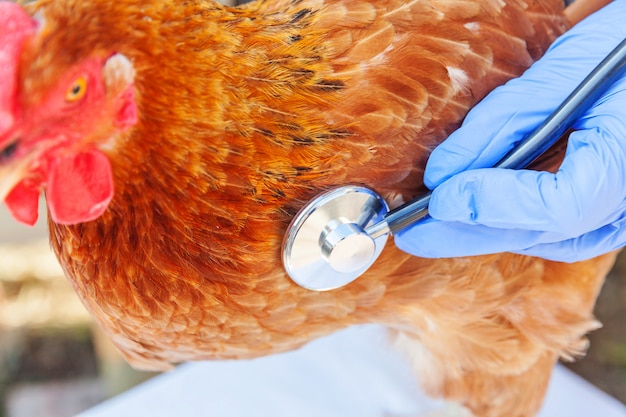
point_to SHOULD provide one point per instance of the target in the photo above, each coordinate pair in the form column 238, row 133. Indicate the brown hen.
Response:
column 176, row 140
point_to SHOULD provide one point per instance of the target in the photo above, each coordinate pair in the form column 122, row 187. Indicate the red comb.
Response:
column 15, row 26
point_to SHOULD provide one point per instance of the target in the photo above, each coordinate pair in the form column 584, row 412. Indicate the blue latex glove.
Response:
column 575, row 214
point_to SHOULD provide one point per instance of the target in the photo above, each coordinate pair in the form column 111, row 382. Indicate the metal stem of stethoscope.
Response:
column 339, row 234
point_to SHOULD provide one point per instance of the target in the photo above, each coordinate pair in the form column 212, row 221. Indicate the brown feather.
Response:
column 247, row 113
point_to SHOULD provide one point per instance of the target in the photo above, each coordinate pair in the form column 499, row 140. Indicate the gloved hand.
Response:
column 575, row 214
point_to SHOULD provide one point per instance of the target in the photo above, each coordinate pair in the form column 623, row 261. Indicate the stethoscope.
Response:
column 338, row 235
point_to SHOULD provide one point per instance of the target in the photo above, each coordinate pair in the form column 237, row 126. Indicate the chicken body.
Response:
column 243, row 115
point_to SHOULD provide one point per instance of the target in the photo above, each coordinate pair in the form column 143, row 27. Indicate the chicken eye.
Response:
column 77, row 90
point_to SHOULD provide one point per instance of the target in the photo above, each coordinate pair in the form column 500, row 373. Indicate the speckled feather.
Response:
column 244, row 115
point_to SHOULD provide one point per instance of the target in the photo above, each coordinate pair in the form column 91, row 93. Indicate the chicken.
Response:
column 176, row 140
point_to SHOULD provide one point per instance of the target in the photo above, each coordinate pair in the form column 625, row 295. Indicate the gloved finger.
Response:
column 583, row 195
column 439, row 239
column 490, row 130
column 587, row 246
column 512, row 111
column 608, row 113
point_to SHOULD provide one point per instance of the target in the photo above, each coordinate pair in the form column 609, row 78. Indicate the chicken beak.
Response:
column 11, row 174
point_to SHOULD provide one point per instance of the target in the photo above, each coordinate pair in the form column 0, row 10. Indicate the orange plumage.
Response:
column 243, row 115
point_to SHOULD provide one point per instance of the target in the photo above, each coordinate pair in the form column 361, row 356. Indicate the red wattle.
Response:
column 80, row 187
column 23, row 203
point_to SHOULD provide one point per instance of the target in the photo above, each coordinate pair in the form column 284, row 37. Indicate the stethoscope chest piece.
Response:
column 326, row 246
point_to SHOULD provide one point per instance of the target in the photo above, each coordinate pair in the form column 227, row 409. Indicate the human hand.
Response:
column 575, row 214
